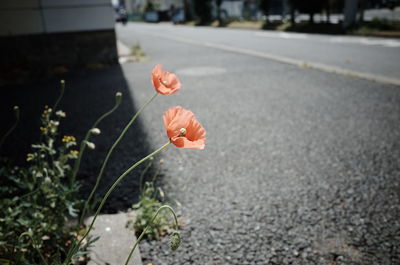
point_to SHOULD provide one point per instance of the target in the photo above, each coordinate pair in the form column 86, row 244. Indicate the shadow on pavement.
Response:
column 88, row 95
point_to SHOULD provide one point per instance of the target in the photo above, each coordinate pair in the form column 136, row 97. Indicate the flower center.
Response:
column 182, row 132
column 164, row 82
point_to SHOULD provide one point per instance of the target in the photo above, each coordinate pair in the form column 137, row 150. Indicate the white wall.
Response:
column 20, row 17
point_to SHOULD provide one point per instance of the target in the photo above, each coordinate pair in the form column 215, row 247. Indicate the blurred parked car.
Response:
column 178, row 16
column 121, row 15
column 151, row 16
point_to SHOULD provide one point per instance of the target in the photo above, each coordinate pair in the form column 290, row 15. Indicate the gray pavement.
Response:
column 378, row 56
column 115, row 242
column 301, row 166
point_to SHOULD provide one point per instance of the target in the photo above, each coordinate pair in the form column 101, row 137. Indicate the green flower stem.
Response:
column 34, row 246
column 151, row 222
column 103, row 201
column 16, row 112
column 83, row 143
column 142, row 176
column 62, row 82
column 103, row 166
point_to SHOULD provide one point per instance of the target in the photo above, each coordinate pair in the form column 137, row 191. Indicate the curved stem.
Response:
column 142, row 176
column 34, row 246
column 83, row 143
column 78, row 161
column 103, row 201
column 155, row 176
column 151, row 222
column 16, row 111
column 103, row 166
column 60, row 96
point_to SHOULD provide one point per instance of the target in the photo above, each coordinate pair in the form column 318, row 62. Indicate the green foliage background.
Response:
column 37, row 200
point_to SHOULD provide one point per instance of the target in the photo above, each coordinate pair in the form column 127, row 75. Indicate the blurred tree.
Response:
column 188, row 11
column 337, row 6
column 350, row 13
column 149, row 7
column 265, row 6
column 292, row 13
column 219, row 3
column 333, row 6
column 310, row 7
column 328, row 11
column 362, row 5
column 203, row 11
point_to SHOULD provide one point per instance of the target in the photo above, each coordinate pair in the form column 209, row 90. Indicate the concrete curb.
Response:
column 115, row 241
column 122, row 49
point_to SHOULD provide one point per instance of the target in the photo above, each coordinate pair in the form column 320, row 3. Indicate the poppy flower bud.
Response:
column 95, row 131
column 118, row 97
column 90, row 145
column 175, row 240
column 16, row 111
column 47, row 180
column 61, row 114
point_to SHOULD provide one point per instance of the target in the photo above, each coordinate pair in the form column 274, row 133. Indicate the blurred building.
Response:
column 40, row 35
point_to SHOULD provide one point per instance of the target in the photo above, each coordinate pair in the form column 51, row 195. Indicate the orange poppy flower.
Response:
column 183, row 129
column 165, row 83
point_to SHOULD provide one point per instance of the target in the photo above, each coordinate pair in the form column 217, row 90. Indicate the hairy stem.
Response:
column 103, row 166
column 82, row 150
column 60, row 96
column 142, row 176
column 103, row 201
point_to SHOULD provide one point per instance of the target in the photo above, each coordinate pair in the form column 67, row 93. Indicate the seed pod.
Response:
column 175, row 240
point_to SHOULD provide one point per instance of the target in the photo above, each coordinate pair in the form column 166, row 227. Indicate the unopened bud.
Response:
column 90, row 145
column 61, row 114
column 47, row 180
column 118, row 97
column 175, row 240
column 55, row 123
column 95, row 131
column 16, row 111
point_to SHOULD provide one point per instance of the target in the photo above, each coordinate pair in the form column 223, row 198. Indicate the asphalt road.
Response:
column 301, row 166
column 376, row 56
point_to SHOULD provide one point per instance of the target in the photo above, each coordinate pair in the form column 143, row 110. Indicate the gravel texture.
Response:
column 300, row 166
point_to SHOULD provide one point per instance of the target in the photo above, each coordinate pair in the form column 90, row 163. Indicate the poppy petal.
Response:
column 178, row 118
column 183, row 142
column 165, row 83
